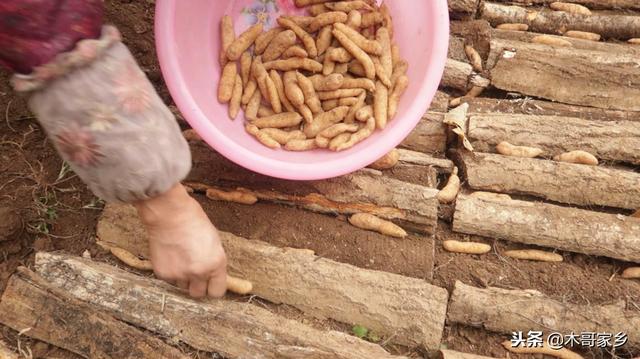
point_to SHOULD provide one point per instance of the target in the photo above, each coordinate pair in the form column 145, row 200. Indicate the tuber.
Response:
column 466, row 247
column 534, row 255
column 372, row 223
column 580, row 157
column 507, row 149
column 387, row 161
column 450, row 191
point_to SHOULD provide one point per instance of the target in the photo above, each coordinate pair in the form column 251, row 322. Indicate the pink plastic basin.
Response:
column 187, row 39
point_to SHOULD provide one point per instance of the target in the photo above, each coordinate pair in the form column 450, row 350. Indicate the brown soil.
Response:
column 58, row 213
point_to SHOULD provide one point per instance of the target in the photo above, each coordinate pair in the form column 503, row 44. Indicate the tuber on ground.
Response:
column 513, row 27
column 534, row 255
column 466, row 247
column 238, row 196
column 580, row 157
column 551, row 41
column 570, row 8
column 507, row 149
column 372, row 223
column 387, row 161
column 631, row 273
column 450, row 191
column 583, row 35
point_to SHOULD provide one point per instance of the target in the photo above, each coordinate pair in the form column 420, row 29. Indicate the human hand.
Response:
column 184, row 245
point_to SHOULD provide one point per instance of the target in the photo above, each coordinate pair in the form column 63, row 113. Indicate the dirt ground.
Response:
column 57, row 212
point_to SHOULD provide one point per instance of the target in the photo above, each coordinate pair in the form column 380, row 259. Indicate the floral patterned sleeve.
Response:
column 106, row 120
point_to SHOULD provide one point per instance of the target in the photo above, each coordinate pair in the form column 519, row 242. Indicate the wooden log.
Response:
column 241, row 330
column 409, row 311
column 483, row 105
column 440, row 102
column 414, row 207
column 608, row 47
column 456, row 49
column 568, row 75
column 506, row 311
column 463, row 9
column 592, row 4
column 456, row 75
column 329, row 237
column 460, row 76
column 611, row 141
column 547, row 225
column 57, row 318
column 557, row 22
column 452, row 354
column 429, row 136
column 556, row 181
column 409, row 157
column 6, row 353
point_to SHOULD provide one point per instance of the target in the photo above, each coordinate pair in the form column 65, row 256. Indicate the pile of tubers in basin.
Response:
column 328, row 80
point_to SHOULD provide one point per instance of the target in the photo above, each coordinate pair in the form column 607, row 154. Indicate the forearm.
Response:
column 106, row 120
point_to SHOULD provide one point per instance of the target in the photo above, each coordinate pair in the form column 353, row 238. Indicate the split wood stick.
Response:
column 613, row 141
column 507, row 311
column 55, row 317
column 452, row 354
column 546, row 108
column 561, row 182
column 139, row 301
column 592, row 4
column 547, row 225
column 597, row 79
column 556, row 22
column 429, row 136
column 463, row 9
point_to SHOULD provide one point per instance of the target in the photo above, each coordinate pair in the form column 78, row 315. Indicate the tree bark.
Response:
column 483, row 105
column 463, row 9
column 557, row 181
column 440, row 102
column 592, row 4
column 239, row 329
column 569, row 229
column 57, row 318
column 547, row 21
column 429, row 136
column 507, row 311
column 407, row 310
column 457, row 75
column 568, row 75
column 611, row 141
